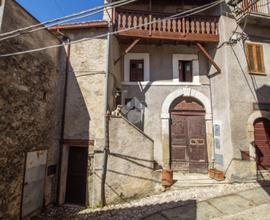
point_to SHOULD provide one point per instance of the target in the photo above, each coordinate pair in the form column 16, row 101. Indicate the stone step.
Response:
column 191, row 180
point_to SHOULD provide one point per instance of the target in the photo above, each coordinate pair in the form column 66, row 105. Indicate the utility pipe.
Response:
column 63, row 116
column 106, row 119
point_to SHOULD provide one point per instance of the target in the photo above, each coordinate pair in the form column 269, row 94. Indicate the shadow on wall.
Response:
column 77, row 120
column 73, row 185
column 164, row 211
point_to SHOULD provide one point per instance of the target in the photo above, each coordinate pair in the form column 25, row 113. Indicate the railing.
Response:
column 197, row 27
column 254, row 6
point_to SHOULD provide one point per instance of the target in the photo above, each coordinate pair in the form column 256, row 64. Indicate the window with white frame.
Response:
column 186, row 68
column 136, row 67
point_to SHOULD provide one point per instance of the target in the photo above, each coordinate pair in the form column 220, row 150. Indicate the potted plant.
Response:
column 167, row 177
column 216, row 174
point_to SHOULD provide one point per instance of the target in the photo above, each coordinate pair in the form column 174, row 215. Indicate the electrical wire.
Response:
column 65, row 21
column 178, row 15
column 53, row 21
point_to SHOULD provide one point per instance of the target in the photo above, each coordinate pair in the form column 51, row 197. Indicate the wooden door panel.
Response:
column 188, row 143
column 262, row 143
column 179, row 141
column 197, row 143
column 77, row 174
column 35, row 173
column 179, row 153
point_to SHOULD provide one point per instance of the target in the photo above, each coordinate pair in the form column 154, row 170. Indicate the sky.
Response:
column 45, row 10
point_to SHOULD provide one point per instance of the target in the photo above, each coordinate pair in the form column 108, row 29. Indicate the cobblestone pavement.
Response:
column 224, row 201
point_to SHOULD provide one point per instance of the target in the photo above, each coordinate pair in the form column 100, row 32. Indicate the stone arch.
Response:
column 250, row 129
column 186, row 92
column 165, row 116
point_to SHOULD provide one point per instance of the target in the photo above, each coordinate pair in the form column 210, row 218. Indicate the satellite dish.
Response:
column 134, row 116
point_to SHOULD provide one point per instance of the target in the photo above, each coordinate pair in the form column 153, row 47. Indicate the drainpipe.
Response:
column 63, row 116
column 213, row 129
column 106, row 120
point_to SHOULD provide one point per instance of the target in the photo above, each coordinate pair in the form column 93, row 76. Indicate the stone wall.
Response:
column 235, row 91
column 86, row 85
column 130, row 172
column 85, row 106
column 161, row 85
column 30, row 106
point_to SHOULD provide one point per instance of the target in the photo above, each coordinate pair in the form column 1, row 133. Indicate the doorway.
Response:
column 262, row 143
column 77, row 175
column 34, row 180
column 188, row 136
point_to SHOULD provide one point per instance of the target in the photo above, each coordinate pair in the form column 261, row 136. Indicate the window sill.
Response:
column 160, row 83
column 257, row 73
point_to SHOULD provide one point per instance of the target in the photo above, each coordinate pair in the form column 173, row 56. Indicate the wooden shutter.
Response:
column 185, row 71
column 181, row 71
column 188, row 71
column 255, row 58
column 136, row 70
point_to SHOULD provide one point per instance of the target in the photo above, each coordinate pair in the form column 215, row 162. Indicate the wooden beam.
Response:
column 79, row 142
column 128, row 49
column 207, row 55
column 169, row 36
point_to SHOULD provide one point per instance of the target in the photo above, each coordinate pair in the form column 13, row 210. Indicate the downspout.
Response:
column 2, row 7
column 63, row 115
column 106, row 120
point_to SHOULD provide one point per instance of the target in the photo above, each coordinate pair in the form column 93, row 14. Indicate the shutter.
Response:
column 136, row 70
column 188, row 71
column 250, row 58
column 255, row 58
column 259, row 56
column 181, row 71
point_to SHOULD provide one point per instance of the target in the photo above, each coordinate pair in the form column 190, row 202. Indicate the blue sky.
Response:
column 45, row 10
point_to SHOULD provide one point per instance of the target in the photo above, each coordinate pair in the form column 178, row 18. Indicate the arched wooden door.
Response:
column 262, row 143
column 188, row 136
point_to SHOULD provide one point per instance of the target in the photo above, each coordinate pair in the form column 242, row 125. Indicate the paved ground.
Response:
column 234, row 202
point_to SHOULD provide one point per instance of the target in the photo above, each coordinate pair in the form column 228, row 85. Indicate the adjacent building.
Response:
column 176, row 85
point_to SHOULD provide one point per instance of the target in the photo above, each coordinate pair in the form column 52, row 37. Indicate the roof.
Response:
column 81, row 25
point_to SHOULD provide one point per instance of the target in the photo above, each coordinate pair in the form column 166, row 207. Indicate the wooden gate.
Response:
column 188, row 137
column 77, row 175
column 262, row 143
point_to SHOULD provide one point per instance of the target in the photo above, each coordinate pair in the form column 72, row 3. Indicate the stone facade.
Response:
column 231, row 94
column 30, row 106
column 84, row 121
column 239, row 91
column 31, row 99
column 130, row 172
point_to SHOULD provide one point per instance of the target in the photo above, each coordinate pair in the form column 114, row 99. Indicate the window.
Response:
column 137, row 67
column 255, row 58
column 185, row 71
column 136, row 70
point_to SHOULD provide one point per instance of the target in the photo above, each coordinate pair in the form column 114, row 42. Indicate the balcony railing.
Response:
column 154, row 26
column 254, row 6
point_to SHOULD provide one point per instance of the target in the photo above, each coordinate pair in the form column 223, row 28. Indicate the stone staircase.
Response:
column 193, row 180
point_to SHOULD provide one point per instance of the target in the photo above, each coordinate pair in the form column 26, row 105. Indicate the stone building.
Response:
column 177, row 82
column 187, row 93
column 201, row 81
column 31, row 88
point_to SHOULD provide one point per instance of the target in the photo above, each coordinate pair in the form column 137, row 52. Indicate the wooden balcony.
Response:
column 256, row 12
column 194, row 28
column 254, row 6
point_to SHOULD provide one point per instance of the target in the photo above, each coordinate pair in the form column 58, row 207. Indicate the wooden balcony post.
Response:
column 150, row 17
column 127, row 50
column 207, row 55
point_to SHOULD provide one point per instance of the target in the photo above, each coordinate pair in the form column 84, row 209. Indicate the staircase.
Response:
column 193, row 180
